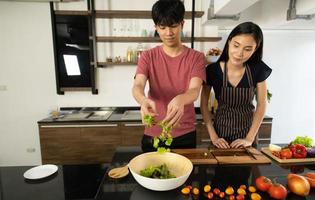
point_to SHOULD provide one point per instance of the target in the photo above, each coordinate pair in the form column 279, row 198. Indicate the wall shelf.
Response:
column 104, row 64
column 151, row 39
column 136, row 14
column 130, row 14
column 72, row 12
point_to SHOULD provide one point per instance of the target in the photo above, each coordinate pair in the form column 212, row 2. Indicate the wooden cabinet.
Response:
column 131, row 133
column 99, row 143
column 78, row 144
column 60, row 145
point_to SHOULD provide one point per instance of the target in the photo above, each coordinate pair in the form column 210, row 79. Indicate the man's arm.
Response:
column 175, row 109
column 147, row 105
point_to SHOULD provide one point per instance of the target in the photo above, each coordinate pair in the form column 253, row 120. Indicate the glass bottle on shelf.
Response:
column 130, row 55
column 139, row 51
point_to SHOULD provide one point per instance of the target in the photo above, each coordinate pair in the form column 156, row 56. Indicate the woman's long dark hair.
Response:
column 245, row 28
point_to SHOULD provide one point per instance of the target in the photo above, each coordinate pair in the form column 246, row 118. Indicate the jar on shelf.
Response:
column 130, row 55
column 139, row 51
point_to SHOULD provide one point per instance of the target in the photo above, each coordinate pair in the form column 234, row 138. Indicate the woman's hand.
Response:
column 239, row 143
column 221, row 143
column 147, row 108
column 175, row 111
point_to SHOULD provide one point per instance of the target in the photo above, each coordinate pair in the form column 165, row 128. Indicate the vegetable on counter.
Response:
column 310, row 177
column 298, row 185
column 274, row 147
column 298, row 151
column 306, row 141
column 311, row 152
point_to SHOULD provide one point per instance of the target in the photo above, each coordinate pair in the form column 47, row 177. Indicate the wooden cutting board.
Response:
column 240, row 156
column 197, row 156
column 266, row 151
column 224, row 156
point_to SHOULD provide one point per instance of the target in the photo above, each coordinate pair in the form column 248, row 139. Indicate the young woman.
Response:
column 236, row 78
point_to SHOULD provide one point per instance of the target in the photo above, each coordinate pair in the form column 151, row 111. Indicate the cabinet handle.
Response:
column 133, row 124
column 205, row 140
column 264, row 139
column 266, row 122
column 79, row 126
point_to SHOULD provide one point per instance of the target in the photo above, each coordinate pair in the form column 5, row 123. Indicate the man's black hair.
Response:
column 168, row 12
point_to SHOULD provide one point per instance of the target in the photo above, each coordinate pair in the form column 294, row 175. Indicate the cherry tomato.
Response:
column 243, row 186
column 240, row 197
column 278, row 191
column 189, row 186
column 251, row 189
column 263, row 183
column 185, row 190
column 207, row 188
column 216, row 191
column 241, row 191
column 255, row 196
column 229, row 190
column 221, row 195
column 195, row 191
column 210, row 195
column 232, row 197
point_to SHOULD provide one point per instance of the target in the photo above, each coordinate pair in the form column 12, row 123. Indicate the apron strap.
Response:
column 225, row 82
column 249, row 76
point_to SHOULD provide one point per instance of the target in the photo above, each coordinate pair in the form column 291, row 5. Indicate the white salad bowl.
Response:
column 178, row 165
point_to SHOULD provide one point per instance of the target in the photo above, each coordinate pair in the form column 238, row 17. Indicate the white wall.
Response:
column 27, row 70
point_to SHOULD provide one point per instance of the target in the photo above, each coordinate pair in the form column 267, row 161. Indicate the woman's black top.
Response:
column 260, row 72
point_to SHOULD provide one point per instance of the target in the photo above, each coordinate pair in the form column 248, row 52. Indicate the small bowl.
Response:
column 212, row 59
column 178, row 165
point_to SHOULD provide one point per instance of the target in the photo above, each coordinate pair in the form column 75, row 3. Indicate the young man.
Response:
column 175, row 74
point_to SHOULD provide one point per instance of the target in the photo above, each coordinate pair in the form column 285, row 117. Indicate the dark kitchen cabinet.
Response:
column 73, row 51
column 131, row 133
column 78, row 143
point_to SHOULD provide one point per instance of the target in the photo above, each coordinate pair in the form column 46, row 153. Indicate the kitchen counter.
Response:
column 116, row 115
column 88, row 182
column 219, row 176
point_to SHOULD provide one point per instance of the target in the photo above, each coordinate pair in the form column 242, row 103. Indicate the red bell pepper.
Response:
column 298, row 151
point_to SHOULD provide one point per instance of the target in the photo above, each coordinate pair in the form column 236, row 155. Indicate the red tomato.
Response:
column 263, row 183
column 240, row 197
column 278, row 191
column 189, row 186
column 221, row 195
column 210, row 195
column 285, row 154
column 232, row 197
column 216, row 191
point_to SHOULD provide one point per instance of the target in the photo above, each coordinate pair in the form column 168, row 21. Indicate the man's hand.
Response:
column 175, row 111
column 147, row 108
column 221, row 143
column 240, row 143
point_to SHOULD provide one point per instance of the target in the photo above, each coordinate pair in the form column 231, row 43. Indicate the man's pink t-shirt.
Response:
column 168, row 77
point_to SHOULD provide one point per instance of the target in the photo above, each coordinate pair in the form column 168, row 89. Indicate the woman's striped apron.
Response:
column 235, row 111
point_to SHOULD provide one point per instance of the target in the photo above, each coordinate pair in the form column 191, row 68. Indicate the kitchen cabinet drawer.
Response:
column 99, row 143
column 79, row 144
column 60, row 145
column 131, row 134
